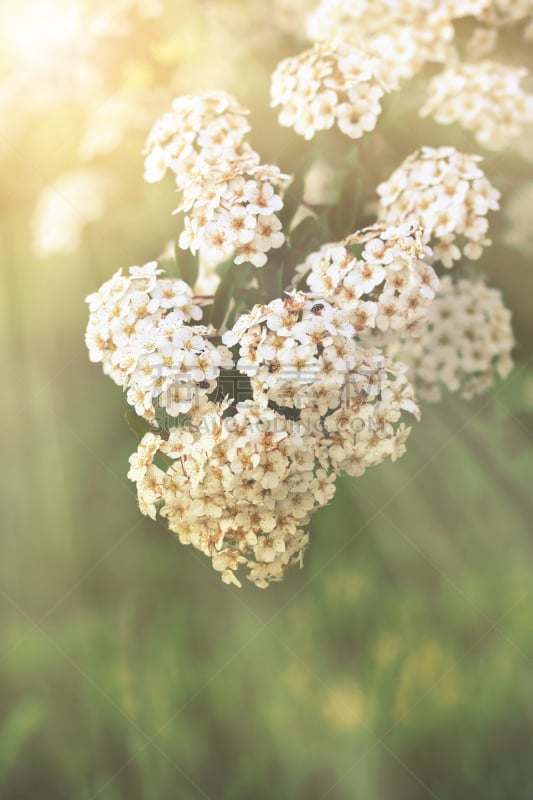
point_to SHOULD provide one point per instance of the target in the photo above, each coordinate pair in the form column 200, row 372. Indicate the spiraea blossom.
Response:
column 229, row 198
column 300, row 353
column 332, row 83
column 200, row 132
column 296, row 352
column 484, row 97
column 466, row 345
column 242, row 487
column 368, row 428
column 445, row 193
column 138, row 329
column 235, row 210
column 403, row 35
column 381, row 278
column 248, row 424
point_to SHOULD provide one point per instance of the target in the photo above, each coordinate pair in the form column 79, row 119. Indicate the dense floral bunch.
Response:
column 241, row 479
column 403, row 35
column 300, row 352
column 467, row 341
column 485, row 98
column 242, row 488
column 388, row 286
column 254, row 464
column 229, row 198
column 448, row 195
column 332, row 83
column 138, row 330
column 200, row 133
column 250, row 401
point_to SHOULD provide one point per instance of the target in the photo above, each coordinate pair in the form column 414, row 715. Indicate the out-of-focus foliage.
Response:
column 397, row 664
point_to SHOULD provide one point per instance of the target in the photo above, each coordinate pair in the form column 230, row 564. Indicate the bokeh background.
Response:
column 398, row 664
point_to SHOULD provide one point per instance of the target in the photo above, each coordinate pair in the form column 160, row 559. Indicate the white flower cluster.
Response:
column 445, row 193
column 300, row 353
column 484, row 97
column 467, row 342
column 241, row 482
column 235, row 210
column 403, row 34
column 330, row 83
column 297, row 353
column 202, row 132
column 230, row 200
column 240, row 489
column 380, row 277
column 138, row 330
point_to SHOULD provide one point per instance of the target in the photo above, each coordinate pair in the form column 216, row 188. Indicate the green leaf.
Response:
column 243, row 276
column 251, row 297
column 344, row 216
column 306, row 237
column 270, row 280
column 137, row 424
column 354, row 156
column 223, row 295
column 222, row 268
column 307, row 233
column 168, row 265
column 292, row 200
column 165, row 422
column 230, row 292
column 294, row 158
column 187, row 266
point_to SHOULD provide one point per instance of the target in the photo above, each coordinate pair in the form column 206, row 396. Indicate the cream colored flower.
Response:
column 447, row 195
column 331, row 83
column 484, row 97
column 466, row 344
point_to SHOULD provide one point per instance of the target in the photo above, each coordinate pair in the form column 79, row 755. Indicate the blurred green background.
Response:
column 396, row 665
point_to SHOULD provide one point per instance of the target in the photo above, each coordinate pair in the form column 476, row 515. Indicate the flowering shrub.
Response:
column 280, row 342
